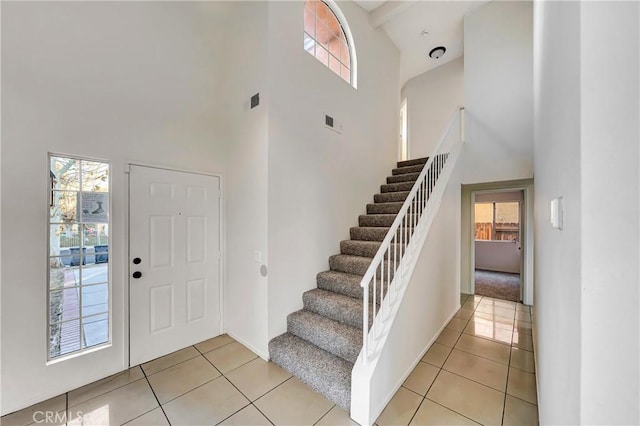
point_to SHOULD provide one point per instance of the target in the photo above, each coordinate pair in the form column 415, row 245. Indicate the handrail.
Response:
column 399, row 235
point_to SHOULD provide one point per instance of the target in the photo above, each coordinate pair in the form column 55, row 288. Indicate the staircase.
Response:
column 323, row 340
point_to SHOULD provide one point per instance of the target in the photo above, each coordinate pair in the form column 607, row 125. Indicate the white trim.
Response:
column 526, row 239
column 109, row 342
column 222, row 247
column 352, row 46
column 404, row 131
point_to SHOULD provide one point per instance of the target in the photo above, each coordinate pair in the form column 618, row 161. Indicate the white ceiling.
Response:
column 404, row 21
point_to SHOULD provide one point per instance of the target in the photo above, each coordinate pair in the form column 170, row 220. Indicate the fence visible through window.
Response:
column 498, row 221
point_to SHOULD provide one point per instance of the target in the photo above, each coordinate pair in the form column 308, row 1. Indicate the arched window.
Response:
column 328, row 39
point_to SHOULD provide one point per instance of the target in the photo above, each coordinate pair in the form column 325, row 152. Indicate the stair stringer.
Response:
column 364, row 408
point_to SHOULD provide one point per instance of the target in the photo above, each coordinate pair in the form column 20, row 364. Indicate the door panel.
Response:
column 175, row 231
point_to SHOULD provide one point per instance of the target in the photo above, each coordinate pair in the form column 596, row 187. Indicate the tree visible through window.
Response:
column 78, row 313
column 325, row 38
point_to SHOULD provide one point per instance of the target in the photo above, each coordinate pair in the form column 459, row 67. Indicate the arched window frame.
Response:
column 353, row 62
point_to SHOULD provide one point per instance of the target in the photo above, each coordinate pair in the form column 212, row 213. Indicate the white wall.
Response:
column 610, row 116
column 586, row 149
column 502, row 256
column 431, row 100
column 246, row 183
column 319, row 180
column 116, row 81
column 498, row 92
column 557, row 289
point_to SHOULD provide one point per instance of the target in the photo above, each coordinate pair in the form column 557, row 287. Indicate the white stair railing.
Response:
column 393, row 264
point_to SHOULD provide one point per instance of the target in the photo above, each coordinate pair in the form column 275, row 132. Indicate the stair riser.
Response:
column 408, row 169
column 396, row 187
column 411, row 177
column 322, row 371
column 371, row 234
column 337, row 263
column 414, row 162
column 365, row 248
column 344, row 342
column 351, row 288
column 336, row 310
column 384, row 208
column 375, row 221
column 368, row 234
column 391, row 197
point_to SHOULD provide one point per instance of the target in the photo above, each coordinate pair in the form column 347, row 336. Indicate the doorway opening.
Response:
column 497, row 241
column 403, row 153
column 505, row 225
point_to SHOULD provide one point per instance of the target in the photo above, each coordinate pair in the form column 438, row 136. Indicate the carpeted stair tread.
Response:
column 364, row 248
column 322, row 371
column 384, row 208
column 396, row 187
column 356, row 265
column 391, row 197
column 413, row 162
column 342, row 283
column 368, row 233
column 337, row 338
column 409, row 177
column 359, row 248
column 335, row 306
column 376, row 220
column 408, row 169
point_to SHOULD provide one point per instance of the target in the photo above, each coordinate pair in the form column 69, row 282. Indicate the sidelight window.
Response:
column 79, row 250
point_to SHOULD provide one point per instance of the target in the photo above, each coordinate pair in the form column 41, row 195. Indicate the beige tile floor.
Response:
column 480, row 370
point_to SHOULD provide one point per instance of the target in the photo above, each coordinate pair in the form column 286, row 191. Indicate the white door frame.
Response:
column 526, row 239
column 403, row 144
column 223, row 245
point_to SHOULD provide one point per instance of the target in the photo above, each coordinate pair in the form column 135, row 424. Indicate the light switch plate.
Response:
column 556, row 213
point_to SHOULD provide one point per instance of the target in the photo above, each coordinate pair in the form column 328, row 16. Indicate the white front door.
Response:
column 174, row 263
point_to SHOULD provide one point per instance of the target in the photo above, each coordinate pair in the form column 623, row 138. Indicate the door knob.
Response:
column 137, row 260
column 137, row 274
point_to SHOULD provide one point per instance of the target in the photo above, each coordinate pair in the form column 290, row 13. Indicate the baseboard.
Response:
column 415, row 363
column 249, row 346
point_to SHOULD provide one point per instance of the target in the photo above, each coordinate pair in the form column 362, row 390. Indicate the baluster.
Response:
column 388, row 273
column 374, row 309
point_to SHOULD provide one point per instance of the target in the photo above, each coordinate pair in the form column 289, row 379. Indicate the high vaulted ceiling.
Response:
column 405, row 21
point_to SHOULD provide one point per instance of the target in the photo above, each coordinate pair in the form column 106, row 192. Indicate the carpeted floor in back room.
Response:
column 499, row 285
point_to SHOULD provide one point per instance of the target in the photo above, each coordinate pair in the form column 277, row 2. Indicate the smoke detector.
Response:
column 437, row 52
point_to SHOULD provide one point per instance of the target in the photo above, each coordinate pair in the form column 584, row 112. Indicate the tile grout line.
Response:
column 214, row 349
column 155, row 396
column 271, row 390
column 506, row 387
column 445, row 361
column 449, row 408
column 325, row 415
